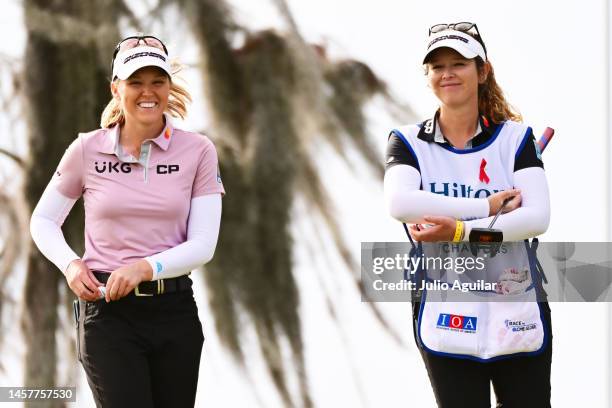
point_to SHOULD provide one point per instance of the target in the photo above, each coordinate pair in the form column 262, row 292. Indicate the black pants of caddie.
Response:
column 518, row 382
column 141, row 351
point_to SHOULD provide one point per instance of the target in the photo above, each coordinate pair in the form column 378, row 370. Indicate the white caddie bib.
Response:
column 484, row 325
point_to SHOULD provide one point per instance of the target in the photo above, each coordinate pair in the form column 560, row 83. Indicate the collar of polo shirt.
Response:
column 109, row 143
column 430, row 130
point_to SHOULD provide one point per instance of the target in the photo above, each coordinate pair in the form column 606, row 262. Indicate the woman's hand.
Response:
column 497, row 200
column 82, row 281
column 123, row 280
column 442, row 229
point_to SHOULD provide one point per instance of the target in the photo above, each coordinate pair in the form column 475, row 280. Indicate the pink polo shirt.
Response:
column 132, row 212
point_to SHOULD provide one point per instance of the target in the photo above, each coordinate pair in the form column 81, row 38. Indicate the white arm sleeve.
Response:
column 202, row 235
column 406, row 202
column 45, row 227
column 531, row 218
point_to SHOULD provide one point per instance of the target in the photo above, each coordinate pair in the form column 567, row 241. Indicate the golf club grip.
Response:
column 545, row 138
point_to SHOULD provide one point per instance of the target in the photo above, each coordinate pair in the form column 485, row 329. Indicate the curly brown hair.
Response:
column 491, row 100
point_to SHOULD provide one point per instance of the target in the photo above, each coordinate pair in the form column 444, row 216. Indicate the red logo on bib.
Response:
column 483, row 175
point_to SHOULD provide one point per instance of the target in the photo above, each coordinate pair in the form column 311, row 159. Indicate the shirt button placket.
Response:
column 145, row 155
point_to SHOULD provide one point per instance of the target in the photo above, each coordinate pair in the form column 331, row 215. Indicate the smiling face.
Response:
column 143, row 96
column 453, row 78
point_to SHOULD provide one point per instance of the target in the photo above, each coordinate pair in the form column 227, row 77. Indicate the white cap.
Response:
column 129, row 61
column 459, row 41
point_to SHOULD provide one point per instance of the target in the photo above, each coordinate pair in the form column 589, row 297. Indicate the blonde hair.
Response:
column 178, row 100
column 491, row 100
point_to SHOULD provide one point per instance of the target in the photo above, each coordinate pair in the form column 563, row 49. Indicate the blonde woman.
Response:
column 152, row 196
column 449, row 175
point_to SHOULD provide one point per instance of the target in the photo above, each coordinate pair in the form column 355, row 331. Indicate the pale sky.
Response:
column 549, row 57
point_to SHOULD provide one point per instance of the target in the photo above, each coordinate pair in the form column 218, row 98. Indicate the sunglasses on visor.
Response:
column 134, row 41
column 463, row 26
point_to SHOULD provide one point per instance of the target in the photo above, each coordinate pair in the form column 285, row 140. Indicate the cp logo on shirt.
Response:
column 457, row 322
column 167, row 168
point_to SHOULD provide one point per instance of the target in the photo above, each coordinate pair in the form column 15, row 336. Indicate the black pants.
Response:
column 519, row 382
column 141, row 351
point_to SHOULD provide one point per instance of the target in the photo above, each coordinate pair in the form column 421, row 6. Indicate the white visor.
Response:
column 459, row 41
column 129, row 61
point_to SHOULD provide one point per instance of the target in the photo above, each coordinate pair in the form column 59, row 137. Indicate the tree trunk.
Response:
column 66, row 89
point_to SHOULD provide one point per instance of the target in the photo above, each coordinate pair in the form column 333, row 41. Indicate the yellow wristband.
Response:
column 458, row 231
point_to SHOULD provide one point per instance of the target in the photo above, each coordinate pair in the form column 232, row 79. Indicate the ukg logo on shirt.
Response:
column 464, row 324
column 110, row 167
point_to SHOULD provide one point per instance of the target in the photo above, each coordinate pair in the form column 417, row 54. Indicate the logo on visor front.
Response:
column 144, row 54
column 447, row 37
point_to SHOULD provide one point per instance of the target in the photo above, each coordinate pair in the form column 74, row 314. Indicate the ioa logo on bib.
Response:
column 465, row 324
column 519, row 325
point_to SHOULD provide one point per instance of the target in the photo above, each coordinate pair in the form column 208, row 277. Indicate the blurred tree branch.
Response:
column 15, row 158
